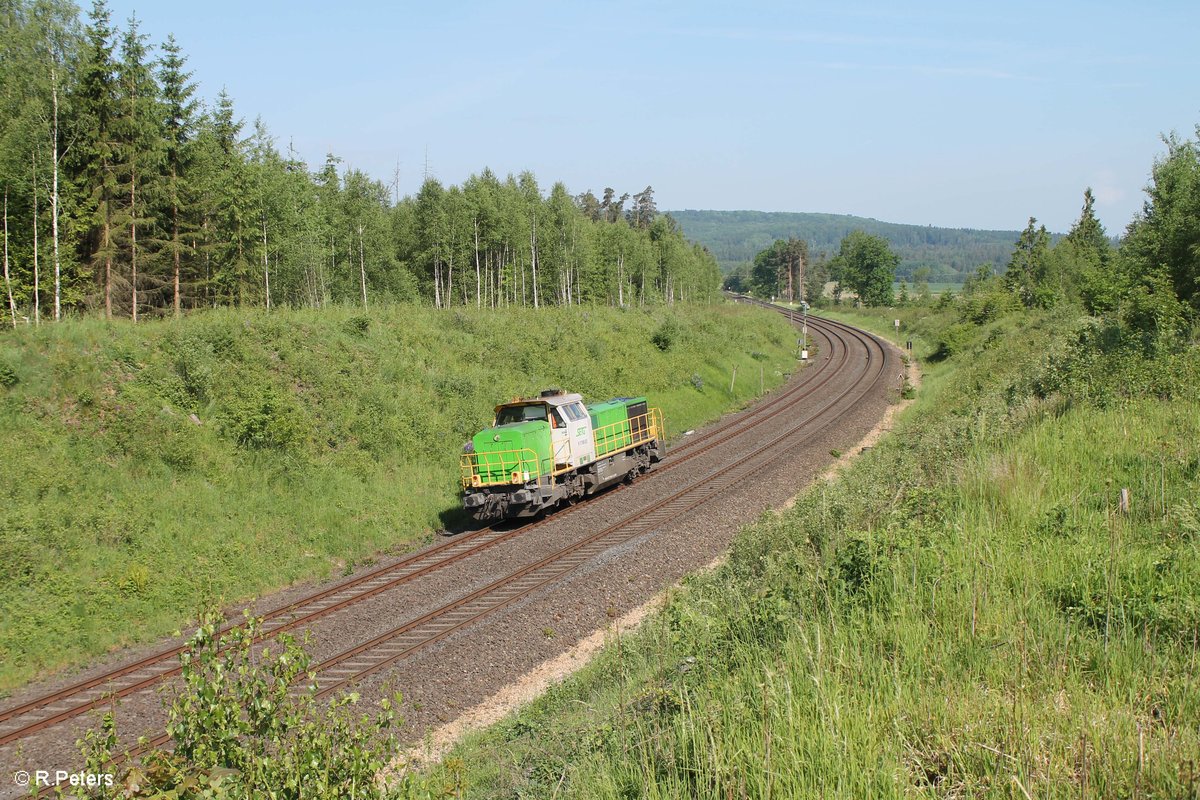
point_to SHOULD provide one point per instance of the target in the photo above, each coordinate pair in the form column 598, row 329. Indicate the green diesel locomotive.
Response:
column 553, row 450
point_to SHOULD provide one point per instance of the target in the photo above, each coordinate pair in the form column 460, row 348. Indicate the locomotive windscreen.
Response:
column 527, row 413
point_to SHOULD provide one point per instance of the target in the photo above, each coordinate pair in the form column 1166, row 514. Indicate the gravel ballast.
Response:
column 462, row 670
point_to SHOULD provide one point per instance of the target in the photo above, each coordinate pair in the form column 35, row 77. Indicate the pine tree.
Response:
column 644, row 211
column 178, row 125
column 1165, row 236
column 1087, row 232
column 234, row 235
column 94, row 155
column 1082, row 264
column 138, row 138
column 1027, row 269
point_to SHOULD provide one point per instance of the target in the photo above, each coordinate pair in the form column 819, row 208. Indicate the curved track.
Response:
column 20, row 721
column 843, row 348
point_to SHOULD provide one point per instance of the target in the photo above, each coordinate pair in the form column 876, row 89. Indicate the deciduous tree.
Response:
column 867, row 265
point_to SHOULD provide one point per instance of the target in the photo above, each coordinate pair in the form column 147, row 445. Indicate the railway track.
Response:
column 367, row 658
column 364, row 660
column 20, row 721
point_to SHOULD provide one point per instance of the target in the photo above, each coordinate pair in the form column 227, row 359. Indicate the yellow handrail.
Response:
column 499, row 467
column 624, row 434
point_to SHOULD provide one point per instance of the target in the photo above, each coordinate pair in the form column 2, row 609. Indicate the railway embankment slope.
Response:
column 157, row 469
column 1001, row 596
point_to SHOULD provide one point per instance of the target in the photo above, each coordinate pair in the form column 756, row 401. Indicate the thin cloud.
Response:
column 840, row 39
column 926, row 69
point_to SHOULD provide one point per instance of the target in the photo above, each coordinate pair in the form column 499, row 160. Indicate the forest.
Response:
column 1150, row 277
column 949, row 254
column 127, row 195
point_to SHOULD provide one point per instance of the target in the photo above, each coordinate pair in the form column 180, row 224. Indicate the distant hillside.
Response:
column 735, row 237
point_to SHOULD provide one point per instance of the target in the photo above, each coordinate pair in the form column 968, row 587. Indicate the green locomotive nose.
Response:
column 519, row 447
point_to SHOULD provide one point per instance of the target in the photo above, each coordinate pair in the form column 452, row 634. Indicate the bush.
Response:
column 952, row 340
column 240, row 731
column 666, row 335
column 1155, row 313
column 193, row 365
column 990, row 304
column 357, row 325
column 258, row 418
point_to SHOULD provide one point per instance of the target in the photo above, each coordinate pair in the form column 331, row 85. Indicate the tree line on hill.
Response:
column 1150, row 279
column 125, row 194
column 947, row 255
column 864, row 264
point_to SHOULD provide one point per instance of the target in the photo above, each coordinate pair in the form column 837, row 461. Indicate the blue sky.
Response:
column 956, row 114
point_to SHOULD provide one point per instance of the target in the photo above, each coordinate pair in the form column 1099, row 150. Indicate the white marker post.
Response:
column 804, row 331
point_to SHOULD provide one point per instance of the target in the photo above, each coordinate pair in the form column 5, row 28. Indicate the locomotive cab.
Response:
column 570, row 426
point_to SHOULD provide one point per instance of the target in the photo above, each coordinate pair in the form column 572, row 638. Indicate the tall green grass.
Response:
column 966, row 612
column 151, row 470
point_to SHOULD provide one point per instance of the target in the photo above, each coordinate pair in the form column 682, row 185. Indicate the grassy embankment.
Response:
column 318, row 440
column 964, row 611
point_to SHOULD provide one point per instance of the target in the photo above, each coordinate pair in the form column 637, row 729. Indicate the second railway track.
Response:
column 836, row 341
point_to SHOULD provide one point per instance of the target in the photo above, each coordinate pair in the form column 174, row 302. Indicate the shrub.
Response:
column 193, row 365
column 258, row 418
column 666, row 335
column 952, row 340
column 357, row 325
column 856, row 564
column 241, row 731
column 993, row 303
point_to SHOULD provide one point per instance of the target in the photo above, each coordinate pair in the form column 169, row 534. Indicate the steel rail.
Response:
column 160, row 665
column 436, row 625
column 575, row 555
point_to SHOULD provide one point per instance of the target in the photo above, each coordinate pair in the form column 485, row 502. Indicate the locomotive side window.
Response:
column 573, row 411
